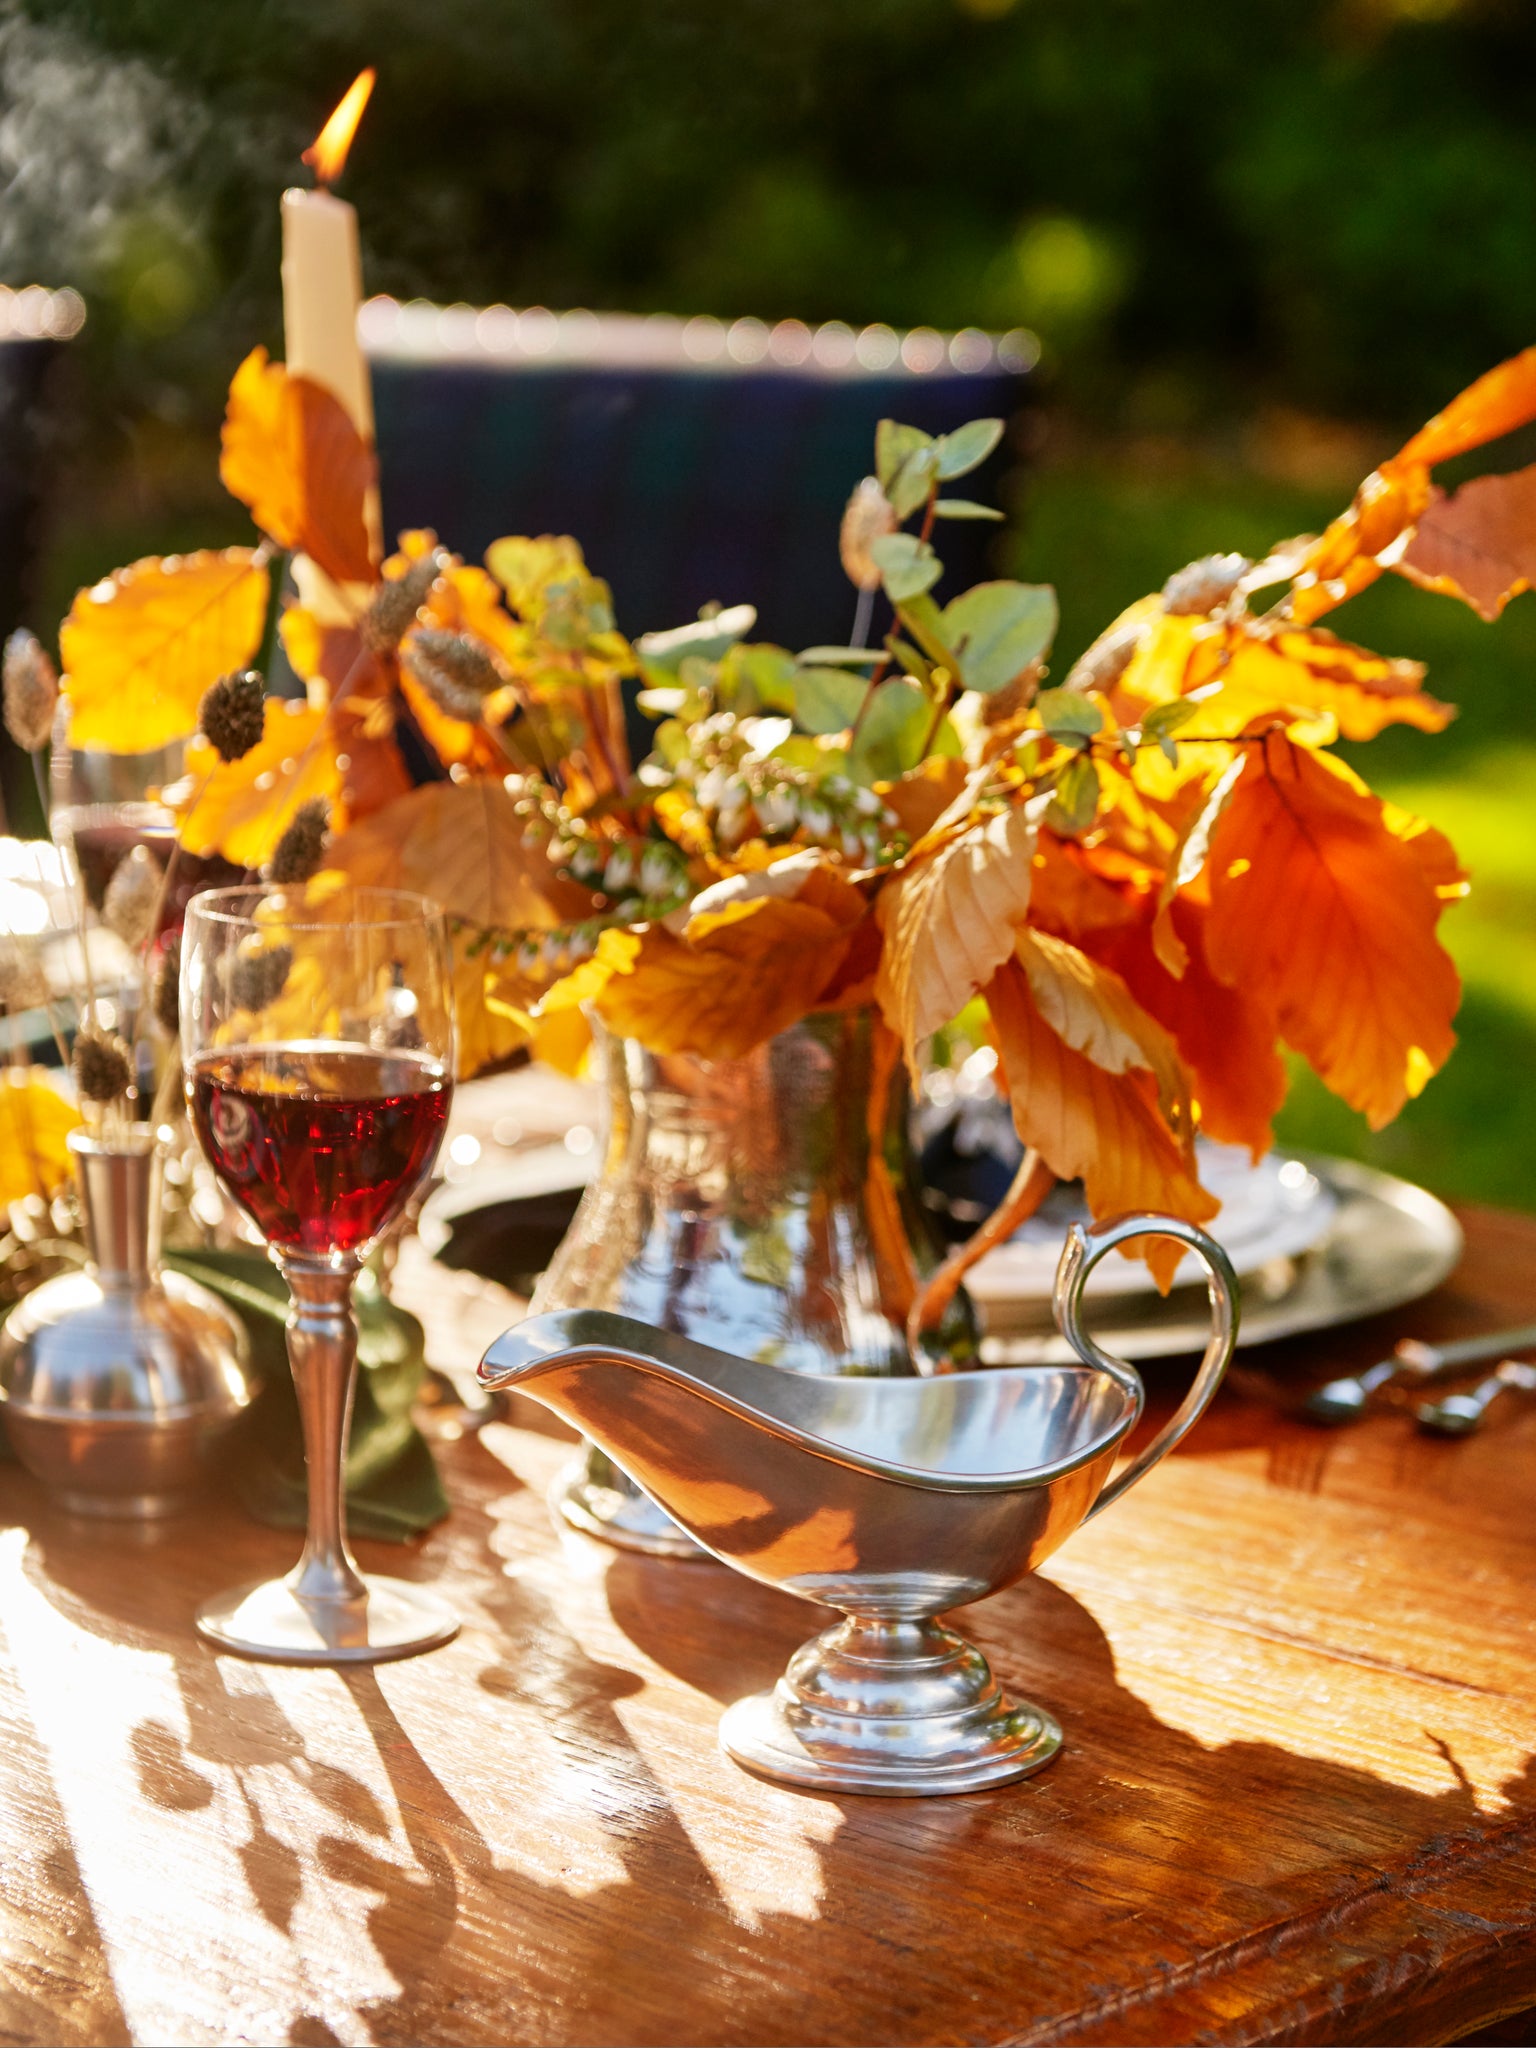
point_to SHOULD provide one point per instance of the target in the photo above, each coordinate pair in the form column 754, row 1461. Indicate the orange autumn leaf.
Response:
column 240, row 808
column 292, row 455
column 1479, row 543
column 461, row 844
column 949, row 919
column 748, row 978
column 1493, row 405
column 1225, row 1038
column 1087, row 1124
column 921, row 797
column 457, row 742
column 1322, row 913
column 1355, row 549
column 140, row 647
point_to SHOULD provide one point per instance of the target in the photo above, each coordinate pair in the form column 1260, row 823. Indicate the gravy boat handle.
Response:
column 1084, row 1249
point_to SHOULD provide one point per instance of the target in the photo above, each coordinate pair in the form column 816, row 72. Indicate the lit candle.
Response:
column 323, row 271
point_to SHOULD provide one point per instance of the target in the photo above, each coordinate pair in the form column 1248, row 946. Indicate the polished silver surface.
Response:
column 1346, row 1400
column 890, row 1499
column 325, row 1611
column 121, row 1382
column 746, row 1202
column 1390, row 1243
column 1460, row 1413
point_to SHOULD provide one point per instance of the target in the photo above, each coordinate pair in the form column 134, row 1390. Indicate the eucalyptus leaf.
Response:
column 828, row 699
column 1075, row 803
column 840, row 657
column 913, row 481
column 765, row 672
column 964, row 508
column 893, row 444
column 1166, row 718
column 890, row 739
column 1069, row 715
column 997, row 630
column 924, row 621
column 967, row 447
column 707, row 638
column 907, row 565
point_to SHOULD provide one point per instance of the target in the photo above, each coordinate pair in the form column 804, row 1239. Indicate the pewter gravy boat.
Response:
column 890, row 1499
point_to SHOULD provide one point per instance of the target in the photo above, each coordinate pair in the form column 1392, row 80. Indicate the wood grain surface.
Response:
column 1297, row 1802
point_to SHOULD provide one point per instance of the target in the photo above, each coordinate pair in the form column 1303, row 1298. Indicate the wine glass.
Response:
column 317, row 1040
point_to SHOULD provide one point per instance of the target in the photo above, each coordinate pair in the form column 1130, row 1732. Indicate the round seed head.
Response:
column 302, row 847
column 23, row 985
column 132, row 902
column 232, row 715
column 455, row 669
column 102, row 1064
column 392, row 611
column 256, row 978
column 31, row 690
column 167, row 995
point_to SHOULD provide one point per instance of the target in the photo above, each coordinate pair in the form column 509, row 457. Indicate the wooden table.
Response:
column 1297, row 1801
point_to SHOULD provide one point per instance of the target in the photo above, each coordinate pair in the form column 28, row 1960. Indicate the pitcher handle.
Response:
column 1084, row 1249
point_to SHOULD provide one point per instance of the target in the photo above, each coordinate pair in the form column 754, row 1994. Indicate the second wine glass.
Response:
column 317, row 1040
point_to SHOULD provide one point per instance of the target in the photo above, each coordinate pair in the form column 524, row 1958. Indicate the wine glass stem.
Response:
column 322, row 1351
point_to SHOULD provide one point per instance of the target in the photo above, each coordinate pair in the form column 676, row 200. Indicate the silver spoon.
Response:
column 1346, row 1400
column 1460, row 1414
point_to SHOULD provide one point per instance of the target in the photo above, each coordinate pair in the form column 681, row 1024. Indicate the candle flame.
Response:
column 327, row 154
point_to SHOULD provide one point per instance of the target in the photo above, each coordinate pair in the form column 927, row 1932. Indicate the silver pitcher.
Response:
column 890, row 1499
column 749, row 1203
column 120, row 1382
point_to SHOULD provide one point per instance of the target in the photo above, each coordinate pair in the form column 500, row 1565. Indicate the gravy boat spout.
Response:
column 892, row 1500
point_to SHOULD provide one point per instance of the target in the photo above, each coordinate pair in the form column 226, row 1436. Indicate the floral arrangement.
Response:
column 1152, row 873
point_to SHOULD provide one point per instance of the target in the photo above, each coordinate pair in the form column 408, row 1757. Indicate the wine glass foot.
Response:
column 268, row 1621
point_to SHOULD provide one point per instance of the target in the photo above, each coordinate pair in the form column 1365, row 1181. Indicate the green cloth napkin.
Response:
column 393, row 1488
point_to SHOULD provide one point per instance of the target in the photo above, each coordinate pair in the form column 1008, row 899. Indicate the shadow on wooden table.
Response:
column 1196, row 1872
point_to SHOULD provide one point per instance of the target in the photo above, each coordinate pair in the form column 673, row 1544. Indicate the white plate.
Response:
column 1389, row 1243
column 1275, row 1210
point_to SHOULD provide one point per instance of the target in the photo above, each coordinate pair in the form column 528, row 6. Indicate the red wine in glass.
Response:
column 104, row 835
column 320, row 1144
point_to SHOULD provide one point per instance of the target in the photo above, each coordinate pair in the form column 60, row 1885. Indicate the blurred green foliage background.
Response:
column 1258, row 242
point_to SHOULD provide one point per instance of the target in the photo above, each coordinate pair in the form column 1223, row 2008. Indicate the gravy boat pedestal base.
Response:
column 891, row 1501
column 900, row 1708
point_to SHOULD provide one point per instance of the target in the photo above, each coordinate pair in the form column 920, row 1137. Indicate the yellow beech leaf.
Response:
column 1324, row 914
column 140, row 647
column 1090, row 1009
column 949, row 920
column 746, row 980
column 616, row 953
column 803, row 877
column 1296, row 670
column 292, row 455
column 34, row 1122
column 462, row 844
column 486, row 1031
column 1091, row 1125
column 1250, row 672
column 240, row 808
